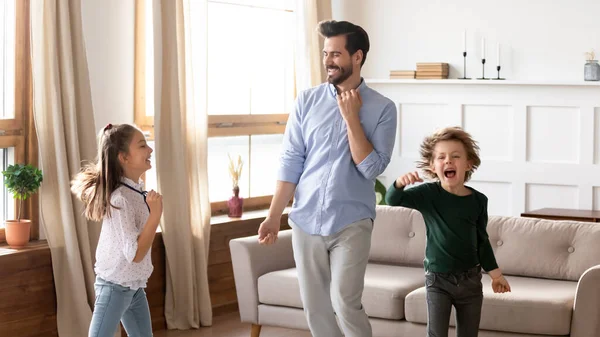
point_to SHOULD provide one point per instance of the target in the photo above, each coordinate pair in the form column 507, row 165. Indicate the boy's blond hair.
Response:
column 445, row 134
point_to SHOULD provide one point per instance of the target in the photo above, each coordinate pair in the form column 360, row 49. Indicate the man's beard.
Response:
column 342, row 75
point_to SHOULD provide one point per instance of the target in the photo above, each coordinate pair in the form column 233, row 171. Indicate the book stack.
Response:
column 430, row 71
column 402, row 74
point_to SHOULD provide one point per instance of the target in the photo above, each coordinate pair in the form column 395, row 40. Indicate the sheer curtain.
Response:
column 181, row 156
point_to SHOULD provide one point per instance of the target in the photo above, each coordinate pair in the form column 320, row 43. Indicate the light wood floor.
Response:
column 229, row 326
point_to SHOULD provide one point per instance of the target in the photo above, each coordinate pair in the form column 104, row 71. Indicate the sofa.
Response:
column 553, row 268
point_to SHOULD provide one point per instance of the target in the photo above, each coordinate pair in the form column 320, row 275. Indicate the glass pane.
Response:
column 228, row 62
column 7, row 157
column 219, row 181
column 272, row 77
column 149, row 66
column 7, row 53
column 257, row 82
column 264, row 164
column 151, row 176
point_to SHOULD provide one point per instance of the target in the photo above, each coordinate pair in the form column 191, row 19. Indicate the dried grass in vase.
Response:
column 235, row 171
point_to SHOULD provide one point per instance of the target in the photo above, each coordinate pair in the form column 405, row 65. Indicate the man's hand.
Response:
column 349, row 103
column 268, row 230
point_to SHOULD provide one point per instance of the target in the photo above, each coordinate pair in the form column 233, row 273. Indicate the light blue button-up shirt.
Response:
column 332, row 191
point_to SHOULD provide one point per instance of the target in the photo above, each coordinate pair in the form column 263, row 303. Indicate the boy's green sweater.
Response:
column 456, row 226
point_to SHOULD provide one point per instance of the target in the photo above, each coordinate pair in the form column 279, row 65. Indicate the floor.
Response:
column 229, row 326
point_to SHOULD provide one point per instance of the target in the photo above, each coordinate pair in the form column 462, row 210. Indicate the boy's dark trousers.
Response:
column 463, row 291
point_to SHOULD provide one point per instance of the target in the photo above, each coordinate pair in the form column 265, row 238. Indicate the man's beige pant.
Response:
column 331, row 273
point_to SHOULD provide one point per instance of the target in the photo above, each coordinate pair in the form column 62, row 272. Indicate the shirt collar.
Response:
column 138, row 186
column 333, row 90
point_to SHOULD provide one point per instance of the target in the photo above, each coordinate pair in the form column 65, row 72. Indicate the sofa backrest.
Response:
column 544, row 248
column 398, row 237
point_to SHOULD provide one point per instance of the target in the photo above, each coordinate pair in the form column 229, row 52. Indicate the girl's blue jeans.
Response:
column 116, row 303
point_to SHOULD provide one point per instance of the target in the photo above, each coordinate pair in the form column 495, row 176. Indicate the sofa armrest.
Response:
column 587, row 309
column 250, row 260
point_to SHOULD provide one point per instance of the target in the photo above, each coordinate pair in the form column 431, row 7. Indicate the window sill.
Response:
column 246, row 216
column 31, row 246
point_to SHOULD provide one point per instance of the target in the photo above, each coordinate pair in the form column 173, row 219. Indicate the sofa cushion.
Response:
column 398, row 237
column 535, row 306
column 383, row 297
column 564, row 250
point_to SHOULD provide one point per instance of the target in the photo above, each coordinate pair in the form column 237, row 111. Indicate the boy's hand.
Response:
column 407, row 179
column 500, row 285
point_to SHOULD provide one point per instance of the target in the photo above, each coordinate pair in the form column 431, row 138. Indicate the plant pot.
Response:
column 17, row 233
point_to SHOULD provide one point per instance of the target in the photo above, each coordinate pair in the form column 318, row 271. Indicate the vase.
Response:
column 592, row 70
column 235, row 204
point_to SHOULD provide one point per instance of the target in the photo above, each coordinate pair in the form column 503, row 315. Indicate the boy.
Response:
column 455, row 215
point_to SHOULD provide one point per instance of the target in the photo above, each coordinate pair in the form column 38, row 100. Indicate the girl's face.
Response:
column 137, row 161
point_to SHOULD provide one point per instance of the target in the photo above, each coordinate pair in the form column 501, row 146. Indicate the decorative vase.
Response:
column 17, row 233
column 592, row 70
column 235, row 204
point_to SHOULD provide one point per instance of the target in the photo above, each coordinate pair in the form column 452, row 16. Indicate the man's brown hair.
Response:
column 446, row 134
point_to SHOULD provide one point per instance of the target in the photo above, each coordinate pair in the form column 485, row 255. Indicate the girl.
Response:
column 456, row 217
column 112, row 192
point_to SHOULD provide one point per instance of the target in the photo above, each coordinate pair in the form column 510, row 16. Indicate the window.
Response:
column 17, row 133
column 251, row 90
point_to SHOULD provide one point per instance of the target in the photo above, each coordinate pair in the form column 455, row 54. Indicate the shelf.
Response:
column 482, row 82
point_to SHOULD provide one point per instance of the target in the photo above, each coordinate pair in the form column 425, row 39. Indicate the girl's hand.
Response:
column 407, row 179
column 154, row 201
column 500, row 285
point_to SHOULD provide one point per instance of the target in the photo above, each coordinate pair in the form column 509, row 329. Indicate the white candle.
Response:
column 498, row 53
column 465, row 40
column 483, row 47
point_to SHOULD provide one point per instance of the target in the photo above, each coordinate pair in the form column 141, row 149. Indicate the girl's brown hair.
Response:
column 99, row 179
column 445, row 134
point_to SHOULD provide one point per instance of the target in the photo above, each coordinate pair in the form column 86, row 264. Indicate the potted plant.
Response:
column 235, row 203
column 21, row 181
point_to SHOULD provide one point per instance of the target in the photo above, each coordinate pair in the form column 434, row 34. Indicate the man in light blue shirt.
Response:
column 338, row 140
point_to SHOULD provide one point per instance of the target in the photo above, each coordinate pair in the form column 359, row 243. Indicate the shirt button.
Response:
column 571, row 249
column 500, row 243
column 411, row 234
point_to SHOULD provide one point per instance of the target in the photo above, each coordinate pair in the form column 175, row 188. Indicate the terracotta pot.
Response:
column 17, row 233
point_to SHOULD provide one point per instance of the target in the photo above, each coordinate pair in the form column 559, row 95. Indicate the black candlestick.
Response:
column 483, row 70
column 464, row 67
column 498, row 78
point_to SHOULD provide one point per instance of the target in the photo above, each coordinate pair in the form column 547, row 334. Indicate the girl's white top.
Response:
column 118, row 239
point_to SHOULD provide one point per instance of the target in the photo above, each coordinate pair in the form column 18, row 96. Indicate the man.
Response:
column 338, row 140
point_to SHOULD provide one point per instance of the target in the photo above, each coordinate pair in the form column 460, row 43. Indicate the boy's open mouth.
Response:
column 450, row 173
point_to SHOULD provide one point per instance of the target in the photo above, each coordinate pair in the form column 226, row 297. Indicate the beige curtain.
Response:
column 181, row 155
column 65, row 126
column 309, row 65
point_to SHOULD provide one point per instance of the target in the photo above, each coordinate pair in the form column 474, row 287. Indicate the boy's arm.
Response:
column 398, row 195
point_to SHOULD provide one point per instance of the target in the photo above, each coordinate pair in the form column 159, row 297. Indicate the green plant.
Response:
column 379, row 193
column 22, row 181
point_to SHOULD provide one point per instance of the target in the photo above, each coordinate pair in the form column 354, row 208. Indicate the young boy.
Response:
column 456, row 217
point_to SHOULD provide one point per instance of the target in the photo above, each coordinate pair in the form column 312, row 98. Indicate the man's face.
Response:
column 337, row 60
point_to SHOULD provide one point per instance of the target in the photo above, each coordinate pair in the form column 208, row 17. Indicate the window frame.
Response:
column 19, row 132
column 218, row 125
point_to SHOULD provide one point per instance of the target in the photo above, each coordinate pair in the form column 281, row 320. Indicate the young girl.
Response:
column 112, row 193
column 457, row 242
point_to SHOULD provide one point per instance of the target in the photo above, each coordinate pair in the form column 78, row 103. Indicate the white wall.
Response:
column 541, row 39
column 108, row 28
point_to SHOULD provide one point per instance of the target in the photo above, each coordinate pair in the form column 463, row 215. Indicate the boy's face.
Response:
column 450, row 162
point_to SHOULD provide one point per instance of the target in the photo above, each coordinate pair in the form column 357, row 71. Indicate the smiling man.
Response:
column 337, row 141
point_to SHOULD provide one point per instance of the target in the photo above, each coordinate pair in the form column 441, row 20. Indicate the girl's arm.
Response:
column 144, row 241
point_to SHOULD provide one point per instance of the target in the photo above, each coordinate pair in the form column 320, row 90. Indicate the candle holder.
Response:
column 483, row 70
column 464, row 67
column 498, row 78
